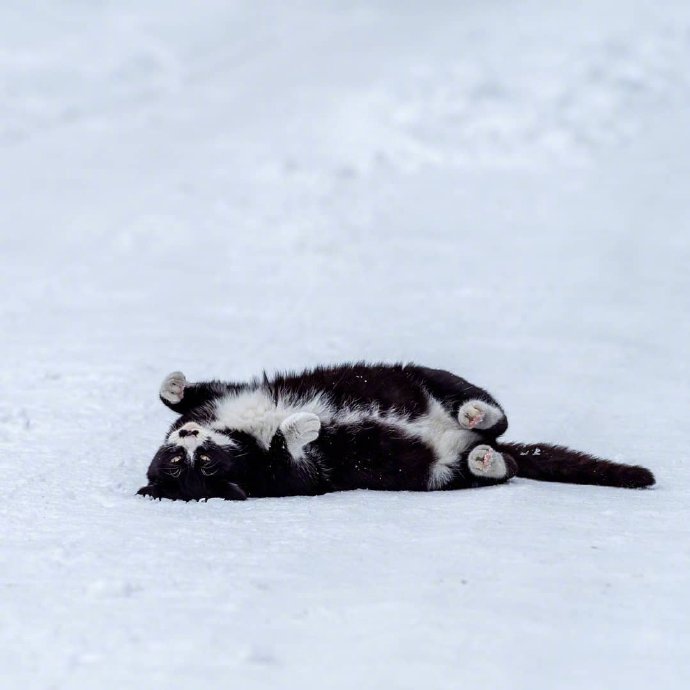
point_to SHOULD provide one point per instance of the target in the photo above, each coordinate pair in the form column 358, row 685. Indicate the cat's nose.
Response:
column 188, row 432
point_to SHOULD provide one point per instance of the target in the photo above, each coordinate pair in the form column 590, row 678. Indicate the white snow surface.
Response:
column 498, row 188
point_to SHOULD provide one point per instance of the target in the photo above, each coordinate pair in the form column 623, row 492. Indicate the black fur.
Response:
column 373, row 453
column 551, row 463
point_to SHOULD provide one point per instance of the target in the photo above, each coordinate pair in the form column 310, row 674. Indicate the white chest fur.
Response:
column 257, row 413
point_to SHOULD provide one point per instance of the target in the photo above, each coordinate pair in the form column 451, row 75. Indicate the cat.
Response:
column 352, row 426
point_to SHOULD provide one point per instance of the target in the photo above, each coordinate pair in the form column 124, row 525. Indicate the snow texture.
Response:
column 498, row 188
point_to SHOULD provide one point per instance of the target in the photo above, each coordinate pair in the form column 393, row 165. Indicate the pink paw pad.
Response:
column 473, row 416
column 484, row 461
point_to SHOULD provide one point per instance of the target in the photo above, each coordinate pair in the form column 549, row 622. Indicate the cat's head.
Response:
column 194, row 463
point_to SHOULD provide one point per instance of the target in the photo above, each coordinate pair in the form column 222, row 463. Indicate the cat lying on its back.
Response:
column 355, row 426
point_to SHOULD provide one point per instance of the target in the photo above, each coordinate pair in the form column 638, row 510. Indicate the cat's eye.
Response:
column 207, row 468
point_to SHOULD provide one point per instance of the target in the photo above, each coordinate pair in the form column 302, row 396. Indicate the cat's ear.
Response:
column 232, row 492
column 152, row 490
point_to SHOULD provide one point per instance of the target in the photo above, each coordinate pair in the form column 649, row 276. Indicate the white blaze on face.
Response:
column 192, row 435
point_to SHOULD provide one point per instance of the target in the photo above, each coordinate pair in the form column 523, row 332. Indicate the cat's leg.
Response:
column 299, row 430
column 486, row 462
column 182, row 396
column 473, row 407
column 172, row 389
column 484, row 466
column 478, row 414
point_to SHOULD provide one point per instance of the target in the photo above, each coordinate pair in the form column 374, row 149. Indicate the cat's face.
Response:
column 196, row 463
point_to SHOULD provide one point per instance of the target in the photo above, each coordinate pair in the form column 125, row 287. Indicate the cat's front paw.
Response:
column 172, row 388
column 483, row 461
column 477, row 414
column 150, row 490
column 299, row 429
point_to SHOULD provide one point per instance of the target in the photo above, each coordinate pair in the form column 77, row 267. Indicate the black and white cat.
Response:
column 354, row 426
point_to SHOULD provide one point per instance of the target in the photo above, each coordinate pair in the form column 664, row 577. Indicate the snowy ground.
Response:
column 499, row 188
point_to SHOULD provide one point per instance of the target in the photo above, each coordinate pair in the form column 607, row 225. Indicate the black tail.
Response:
column 560, row 464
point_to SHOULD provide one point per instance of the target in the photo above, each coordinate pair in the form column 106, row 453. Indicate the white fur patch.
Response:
column 257, row 413
column 441, row 431
column 190, row 442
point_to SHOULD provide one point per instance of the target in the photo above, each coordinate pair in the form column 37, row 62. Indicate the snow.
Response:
column 497, row 188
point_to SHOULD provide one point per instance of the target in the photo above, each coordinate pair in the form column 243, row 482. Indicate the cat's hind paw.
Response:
column 172, row 388
column 477, row 414
column 299, row 429
column 483, row 461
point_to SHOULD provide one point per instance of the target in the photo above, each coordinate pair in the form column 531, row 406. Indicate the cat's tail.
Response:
column 550, row 463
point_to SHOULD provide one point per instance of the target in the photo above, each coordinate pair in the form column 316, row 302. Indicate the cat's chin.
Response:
column 229, row 492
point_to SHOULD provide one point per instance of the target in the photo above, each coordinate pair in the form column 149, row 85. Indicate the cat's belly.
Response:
column 394, row 452
column 363, row 446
